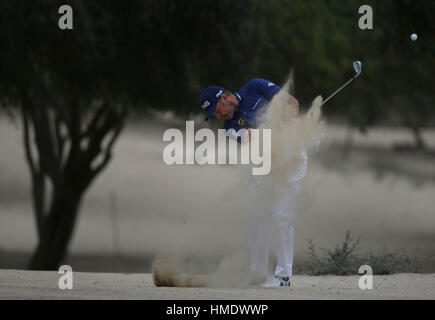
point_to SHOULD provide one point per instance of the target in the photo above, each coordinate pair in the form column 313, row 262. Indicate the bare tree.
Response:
column 65, row 152
column 73, row 88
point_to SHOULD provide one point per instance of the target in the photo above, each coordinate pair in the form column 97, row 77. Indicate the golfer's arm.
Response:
column 291, row 101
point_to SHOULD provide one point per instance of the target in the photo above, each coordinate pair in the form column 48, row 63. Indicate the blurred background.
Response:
column 83, row 111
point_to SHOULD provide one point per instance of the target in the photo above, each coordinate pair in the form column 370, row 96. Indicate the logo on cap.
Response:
column 219, row 93
column 206, row 104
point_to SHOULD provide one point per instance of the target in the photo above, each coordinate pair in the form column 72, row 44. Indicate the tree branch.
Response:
column 96, row 137
column 115, row 123
column 73, row 125
column 44, row 142
column 102, row 111
column 59, row 139
column 38, row 184
column 27, row 147
column 108, row 151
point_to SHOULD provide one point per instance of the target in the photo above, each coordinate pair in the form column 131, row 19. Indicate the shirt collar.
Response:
column 238, row 96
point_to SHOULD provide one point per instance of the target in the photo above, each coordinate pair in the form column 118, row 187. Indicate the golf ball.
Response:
column 414, row 37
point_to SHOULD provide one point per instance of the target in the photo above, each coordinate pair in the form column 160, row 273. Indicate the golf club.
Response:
column 357, row 67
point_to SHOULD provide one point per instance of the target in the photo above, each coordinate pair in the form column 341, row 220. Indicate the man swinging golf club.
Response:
column 240, row 111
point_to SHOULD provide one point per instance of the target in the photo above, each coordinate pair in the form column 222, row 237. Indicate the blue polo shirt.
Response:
column 253, row 99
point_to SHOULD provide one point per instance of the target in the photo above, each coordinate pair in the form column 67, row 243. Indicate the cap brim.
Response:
column 210, row 111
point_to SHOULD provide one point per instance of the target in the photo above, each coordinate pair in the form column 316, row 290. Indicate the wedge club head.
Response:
column 357, row 65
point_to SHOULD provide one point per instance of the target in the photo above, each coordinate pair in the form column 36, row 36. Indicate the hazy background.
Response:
column 141, row 207
column 94, row 101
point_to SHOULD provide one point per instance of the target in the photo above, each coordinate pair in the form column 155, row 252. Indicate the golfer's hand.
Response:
column 293, row 101
column 294, row 105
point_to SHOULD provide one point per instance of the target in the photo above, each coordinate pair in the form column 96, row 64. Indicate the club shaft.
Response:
column 336, row 91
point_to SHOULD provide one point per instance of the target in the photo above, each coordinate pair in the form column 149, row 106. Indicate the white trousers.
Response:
column 273, row 203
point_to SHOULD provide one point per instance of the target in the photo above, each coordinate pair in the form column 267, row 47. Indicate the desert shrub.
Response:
column 346, row 258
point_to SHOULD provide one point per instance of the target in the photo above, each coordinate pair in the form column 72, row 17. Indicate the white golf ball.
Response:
column 414, row 37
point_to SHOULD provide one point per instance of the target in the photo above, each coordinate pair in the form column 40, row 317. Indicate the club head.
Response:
column 357, row 67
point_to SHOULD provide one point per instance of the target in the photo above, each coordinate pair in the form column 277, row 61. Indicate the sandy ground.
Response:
column 18, row 284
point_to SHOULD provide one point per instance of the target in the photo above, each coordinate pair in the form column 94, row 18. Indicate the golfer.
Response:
column 241, row 110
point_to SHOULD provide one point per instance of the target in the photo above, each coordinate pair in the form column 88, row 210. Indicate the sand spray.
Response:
column 293, row 135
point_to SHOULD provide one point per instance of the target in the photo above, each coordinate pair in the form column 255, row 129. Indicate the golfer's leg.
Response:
column 283, row 216
column 260, row 229
column 284, row 236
